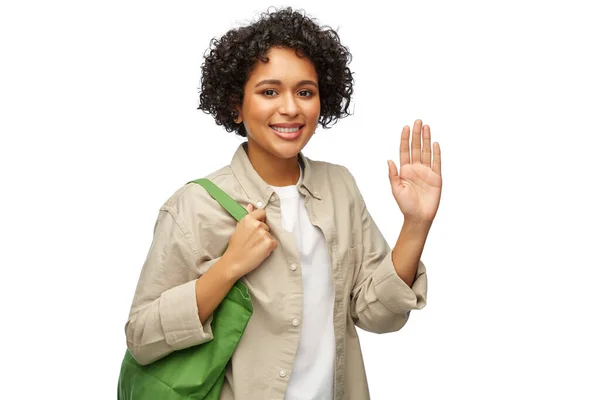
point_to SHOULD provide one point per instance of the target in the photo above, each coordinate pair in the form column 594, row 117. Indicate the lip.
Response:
column 288, row 125
column 290, row 135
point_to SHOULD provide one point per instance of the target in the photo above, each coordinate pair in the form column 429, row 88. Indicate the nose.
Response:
column 288, row 105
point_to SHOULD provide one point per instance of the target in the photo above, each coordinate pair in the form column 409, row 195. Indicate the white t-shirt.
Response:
column 313, row 369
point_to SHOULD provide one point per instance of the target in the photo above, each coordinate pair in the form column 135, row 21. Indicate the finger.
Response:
column 267, row 240
column 249, row 208
column 259, row 214
column 274, row 245
column 265, row 227
column 404, row 146
column 437, row 159
column 426, row 151
column 416, row 142
column 392, row 170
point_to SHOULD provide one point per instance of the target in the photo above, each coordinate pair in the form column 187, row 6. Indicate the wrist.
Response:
column 229, row 268
column 416, row 228
column 416, row 223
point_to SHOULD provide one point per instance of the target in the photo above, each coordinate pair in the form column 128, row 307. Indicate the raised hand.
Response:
column 417, row 187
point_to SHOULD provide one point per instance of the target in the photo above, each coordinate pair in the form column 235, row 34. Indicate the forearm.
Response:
column 213, row 286
column 409, row 247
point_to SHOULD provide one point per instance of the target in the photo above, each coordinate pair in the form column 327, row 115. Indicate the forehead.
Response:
column 285, row 65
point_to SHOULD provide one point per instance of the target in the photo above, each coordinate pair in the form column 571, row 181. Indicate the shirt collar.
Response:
column 257, row 189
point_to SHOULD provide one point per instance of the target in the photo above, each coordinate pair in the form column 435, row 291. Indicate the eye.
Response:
column 269, row 92
column 305, row 93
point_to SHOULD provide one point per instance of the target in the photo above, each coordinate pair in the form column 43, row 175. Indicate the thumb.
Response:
column 392, row 171
column 250, row 207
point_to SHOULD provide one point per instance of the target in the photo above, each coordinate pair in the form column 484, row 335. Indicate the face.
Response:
column 281, row 105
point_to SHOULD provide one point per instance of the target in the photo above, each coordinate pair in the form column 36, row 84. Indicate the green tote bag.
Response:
column 198, row 372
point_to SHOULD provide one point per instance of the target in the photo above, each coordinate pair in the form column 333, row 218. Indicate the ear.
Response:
column 237, row 115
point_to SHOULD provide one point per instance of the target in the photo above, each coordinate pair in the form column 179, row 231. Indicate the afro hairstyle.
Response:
column 229, row 61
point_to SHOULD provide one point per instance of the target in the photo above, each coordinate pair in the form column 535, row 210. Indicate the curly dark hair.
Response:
column 230, row 59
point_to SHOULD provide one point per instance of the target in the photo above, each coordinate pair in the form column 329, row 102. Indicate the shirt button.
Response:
column 293, row 267
column 295, row 322
column 259, row 203
column 282, row 373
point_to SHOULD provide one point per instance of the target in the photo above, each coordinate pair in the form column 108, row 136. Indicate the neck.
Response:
column 273, row 170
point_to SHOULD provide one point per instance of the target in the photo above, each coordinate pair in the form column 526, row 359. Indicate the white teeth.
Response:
column 285, row 130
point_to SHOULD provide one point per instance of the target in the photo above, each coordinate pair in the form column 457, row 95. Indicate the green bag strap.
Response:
column 233, row 207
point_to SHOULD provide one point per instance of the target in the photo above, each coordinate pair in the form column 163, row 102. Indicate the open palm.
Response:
column 417, row 187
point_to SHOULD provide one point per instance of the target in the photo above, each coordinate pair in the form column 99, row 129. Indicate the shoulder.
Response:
column 193, row 203
column 336, row 177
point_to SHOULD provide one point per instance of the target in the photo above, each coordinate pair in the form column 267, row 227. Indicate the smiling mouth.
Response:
column 286, row 130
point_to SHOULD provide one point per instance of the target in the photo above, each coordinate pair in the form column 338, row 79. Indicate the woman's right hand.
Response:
column 250, row 244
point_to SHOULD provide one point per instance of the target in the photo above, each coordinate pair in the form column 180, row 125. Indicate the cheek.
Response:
column 257, row 109
column 312, row 110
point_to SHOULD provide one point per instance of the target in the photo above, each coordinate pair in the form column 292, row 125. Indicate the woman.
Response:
column 314, row 261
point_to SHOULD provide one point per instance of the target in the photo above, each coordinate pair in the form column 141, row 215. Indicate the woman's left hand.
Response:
column 418, row 187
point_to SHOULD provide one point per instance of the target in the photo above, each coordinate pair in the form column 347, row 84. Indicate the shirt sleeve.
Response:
column 380, row 300
column 164, row 313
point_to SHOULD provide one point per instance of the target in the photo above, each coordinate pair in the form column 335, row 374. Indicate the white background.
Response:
column 99, row 127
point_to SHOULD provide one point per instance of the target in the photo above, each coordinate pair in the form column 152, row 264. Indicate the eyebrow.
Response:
column 278, row 82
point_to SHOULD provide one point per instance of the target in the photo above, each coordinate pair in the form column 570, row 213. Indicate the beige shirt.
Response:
column 192, row 232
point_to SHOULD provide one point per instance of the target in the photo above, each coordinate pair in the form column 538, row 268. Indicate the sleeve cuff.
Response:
column 394, row 293
column 179, row 318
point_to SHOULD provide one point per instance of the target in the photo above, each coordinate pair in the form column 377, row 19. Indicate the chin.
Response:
column 287, row 150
